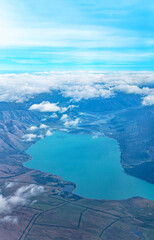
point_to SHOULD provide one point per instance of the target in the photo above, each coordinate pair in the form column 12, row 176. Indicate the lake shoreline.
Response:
column 78, row 184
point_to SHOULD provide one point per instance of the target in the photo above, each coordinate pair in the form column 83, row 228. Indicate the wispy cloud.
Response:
column 9, row 219
column 86, row 32
column 10, row 184
column 22, row 196
column 81, row 37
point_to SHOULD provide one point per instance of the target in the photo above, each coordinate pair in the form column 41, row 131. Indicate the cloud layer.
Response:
column 77, row 85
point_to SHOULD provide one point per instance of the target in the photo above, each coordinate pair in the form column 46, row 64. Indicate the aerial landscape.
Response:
column 76, row 120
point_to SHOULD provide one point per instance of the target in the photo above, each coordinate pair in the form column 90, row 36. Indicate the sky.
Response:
column 59, row 35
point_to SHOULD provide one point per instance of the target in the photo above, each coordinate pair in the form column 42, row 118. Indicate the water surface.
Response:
column 92, row 163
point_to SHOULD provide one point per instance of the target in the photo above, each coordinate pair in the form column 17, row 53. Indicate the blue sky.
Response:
column 46, row 35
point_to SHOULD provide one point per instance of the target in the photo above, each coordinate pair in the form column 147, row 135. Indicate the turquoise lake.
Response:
column 92, row 163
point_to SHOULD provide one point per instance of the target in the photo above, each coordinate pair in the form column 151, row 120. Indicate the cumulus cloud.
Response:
column 86, row 92
column 148, row 100
column 21, row 197
column 74, row 84
column 71, row 123
column 45, row 106
column 133, row 89
column 43, row 126
column 54, row 115
column 29, row 137
column 63, row 109
column 48, row 133
column 64, row 117
column 32, row 128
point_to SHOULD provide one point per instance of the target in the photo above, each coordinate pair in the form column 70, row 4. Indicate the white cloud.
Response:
column 148, row 100
column 43, row 126
column 133, row 89
column 72, row 106
column 64, row 117
column 10, row 184
column 9, row 219
column 40, row 136
column 71, row 123
column 74, row 84
column 88, row 91
column 21, row 197
column 32, row 128
column 45, row 106
column 44, row 119
column 54, row 115
column 29, row 137
column 48, row 133
column 63, row 109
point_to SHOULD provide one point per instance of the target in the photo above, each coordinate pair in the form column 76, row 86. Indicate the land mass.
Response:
column 58, row 213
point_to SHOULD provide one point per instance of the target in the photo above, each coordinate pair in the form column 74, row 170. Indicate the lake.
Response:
column 93, row 163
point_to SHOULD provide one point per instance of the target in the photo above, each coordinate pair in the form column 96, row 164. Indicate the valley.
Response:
column 58, row 208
